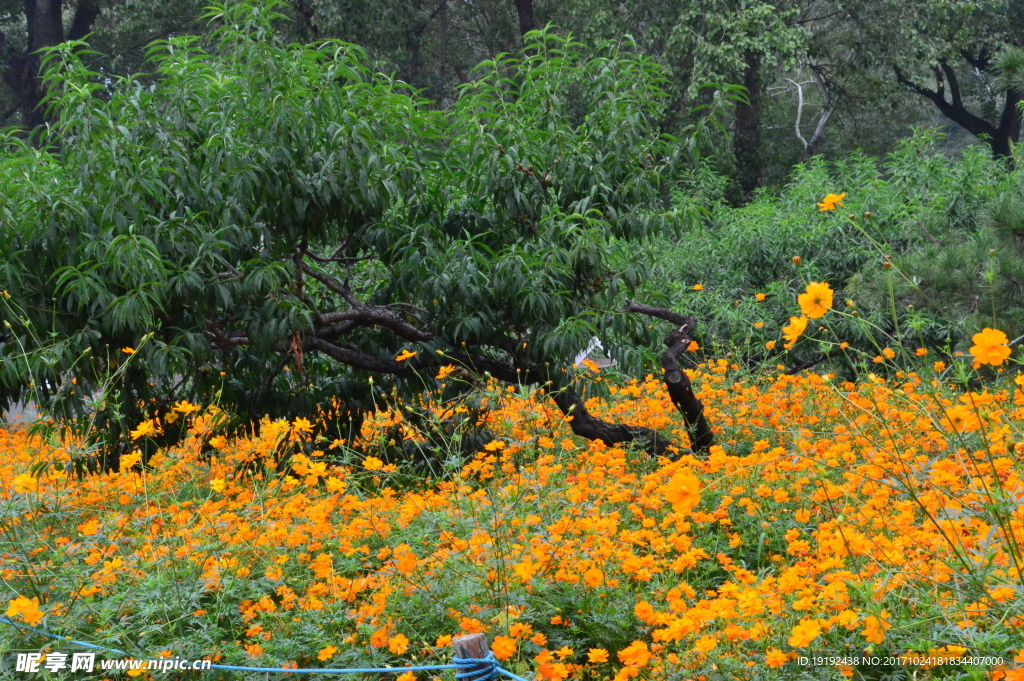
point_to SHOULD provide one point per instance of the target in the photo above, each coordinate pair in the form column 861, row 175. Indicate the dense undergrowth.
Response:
column 882, row 517
column 951, row 230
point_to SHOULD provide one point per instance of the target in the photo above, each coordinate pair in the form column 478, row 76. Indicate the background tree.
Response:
column 947, row 53
column 119, row 28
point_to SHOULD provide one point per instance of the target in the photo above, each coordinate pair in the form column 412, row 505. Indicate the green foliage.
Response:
column 186, row 208
column 934, row 218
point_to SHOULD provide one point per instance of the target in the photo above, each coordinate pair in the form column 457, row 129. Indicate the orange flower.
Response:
column 398, row 644
column 990, row 347
column 597, row 655
column 644, row 611
column 520, row 630
column 636, row 654
column 593, row 578
column 817, row 300
column 327, row 653
column 875, row 628
column 128, row 351
column 796, row 327
column 404, row 355
column 831, row 201
column 503, row 647
column 961, row 419
column 372, row 463
column 775, row 658
column 255, row 650
column 682, row 491
column 805, row 632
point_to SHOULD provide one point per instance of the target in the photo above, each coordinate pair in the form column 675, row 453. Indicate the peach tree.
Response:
column 272, row 225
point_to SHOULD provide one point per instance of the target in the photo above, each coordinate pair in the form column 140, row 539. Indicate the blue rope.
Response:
column 468, row 668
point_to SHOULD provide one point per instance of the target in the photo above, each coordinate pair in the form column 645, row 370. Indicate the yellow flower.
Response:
column 25, row 483
column 145, row 428
column 219, row 441
column 759, row 297
column 129, row 460
column 25, row 609
column 372, row 463
column 444, row 372
column 185, row 407
column 404, row 355
column 990, row 347
column 301, row 426
column 698, row 287
column 597, row 655
column 816, row 301
column 831, row 201
column 327, row 653
column 217, row 485
column 797, row 325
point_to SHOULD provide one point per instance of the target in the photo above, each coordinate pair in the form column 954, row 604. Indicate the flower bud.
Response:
column 797, row 260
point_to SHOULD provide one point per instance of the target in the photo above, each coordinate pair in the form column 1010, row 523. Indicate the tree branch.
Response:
column 680, row 390
column 954, row 112
column 375, row 316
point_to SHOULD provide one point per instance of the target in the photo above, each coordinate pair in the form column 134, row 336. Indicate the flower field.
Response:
column 881, row 519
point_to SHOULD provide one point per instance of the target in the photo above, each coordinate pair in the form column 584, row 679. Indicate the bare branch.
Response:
column 680, row 390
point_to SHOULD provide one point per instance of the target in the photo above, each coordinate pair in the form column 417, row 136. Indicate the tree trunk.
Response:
column 413, row 36
column 44, row 28
column 747, row 134
column 524, row 8
column 442, row 57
